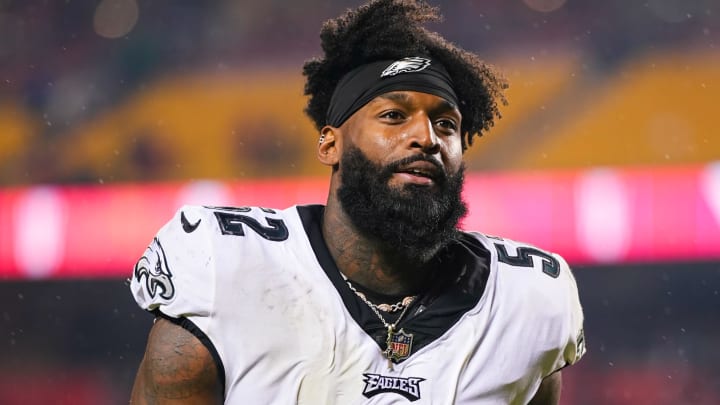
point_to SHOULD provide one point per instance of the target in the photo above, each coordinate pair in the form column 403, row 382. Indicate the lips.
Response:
column 421, row 168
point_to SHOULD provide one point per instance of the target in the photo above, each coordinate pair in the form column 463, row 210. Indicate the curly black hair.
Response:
column 392, row 29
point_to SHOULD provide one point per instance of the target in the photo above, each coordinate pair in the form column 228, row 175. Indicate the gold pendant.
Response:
column 399, row 345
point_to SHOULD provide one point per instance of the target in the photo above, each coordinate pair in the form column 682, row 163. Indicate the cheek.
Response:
column 374, row 142
column 452, row 154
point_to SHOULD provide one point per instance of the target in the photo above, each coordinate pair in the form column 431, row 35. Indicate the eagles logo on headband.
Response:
column 364, row 83
column 405, row 65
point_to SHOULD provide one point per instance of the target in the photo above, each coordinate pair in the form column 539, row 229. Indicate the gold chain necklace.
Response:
column 398, row 343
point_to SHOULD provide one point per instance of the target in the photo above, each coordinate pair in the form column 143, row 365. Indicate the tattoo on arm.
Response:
column 177, row 368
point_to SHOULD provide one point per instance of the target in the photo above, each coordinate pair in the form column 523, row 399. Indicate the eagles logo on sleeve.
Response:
column 406, row 65
column 153, row 267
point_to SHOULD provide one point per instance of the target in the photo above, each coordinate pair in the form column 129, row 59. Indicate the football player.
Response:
column 376, row 297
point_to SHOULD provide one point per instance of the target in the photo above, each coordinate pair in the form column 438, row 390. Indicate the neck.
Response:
column 367, row 261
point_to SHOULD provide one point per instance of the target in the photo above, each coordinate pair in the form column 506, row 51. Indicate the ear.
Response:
column 328, row 151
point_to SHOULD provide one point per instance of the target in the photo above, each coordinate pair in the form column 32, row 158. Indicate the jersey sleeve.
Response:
column 548, row 303
column 574, row 347
column 175, row 275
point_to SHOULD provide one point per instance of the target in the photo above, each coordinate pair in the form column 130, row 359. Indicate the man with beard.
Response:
column 376, row 297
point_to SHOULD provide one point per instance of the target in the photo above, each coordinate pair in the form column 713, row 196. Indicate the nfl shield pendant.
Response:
column 399, row 345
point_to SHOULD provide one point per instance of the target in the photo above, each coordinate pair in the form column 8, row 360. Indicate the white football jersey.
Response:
column 259, row 288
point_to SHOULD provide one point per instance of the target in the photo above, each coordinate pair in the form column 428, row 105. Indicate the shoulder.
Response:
column 530, row 269
column 540, row 285
column 179, row 269
column 200, row 227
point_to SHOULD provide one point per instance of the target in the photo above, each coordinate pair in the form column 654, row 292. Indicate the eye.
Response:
column 392, row 115
column 447, row 125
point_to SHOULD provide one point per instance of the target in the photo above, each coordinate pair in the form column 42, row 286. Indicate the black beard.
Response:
column 412, row 223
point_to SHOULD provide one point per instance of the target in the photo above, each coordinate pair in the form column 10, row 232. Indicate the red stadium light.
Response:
column 590, row 217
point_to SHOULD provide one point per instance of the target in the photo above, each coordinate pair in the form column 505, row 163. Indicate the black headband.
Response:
column 364, row 83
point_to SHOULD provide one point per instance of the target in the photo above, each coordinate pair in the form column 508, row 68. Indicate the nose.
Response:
column 422, row 136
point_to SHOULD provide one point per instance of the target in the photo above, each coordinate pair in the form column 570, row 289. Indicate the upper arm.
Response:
column 176, row 369
column 549, row 391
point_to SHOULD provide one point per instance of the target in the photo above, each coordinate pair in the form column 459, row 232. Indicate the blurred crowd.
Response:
column 65, row 65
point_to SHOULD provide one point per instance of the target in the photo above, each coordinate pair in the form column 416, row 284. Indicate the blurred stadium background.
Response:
column 115, row 112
